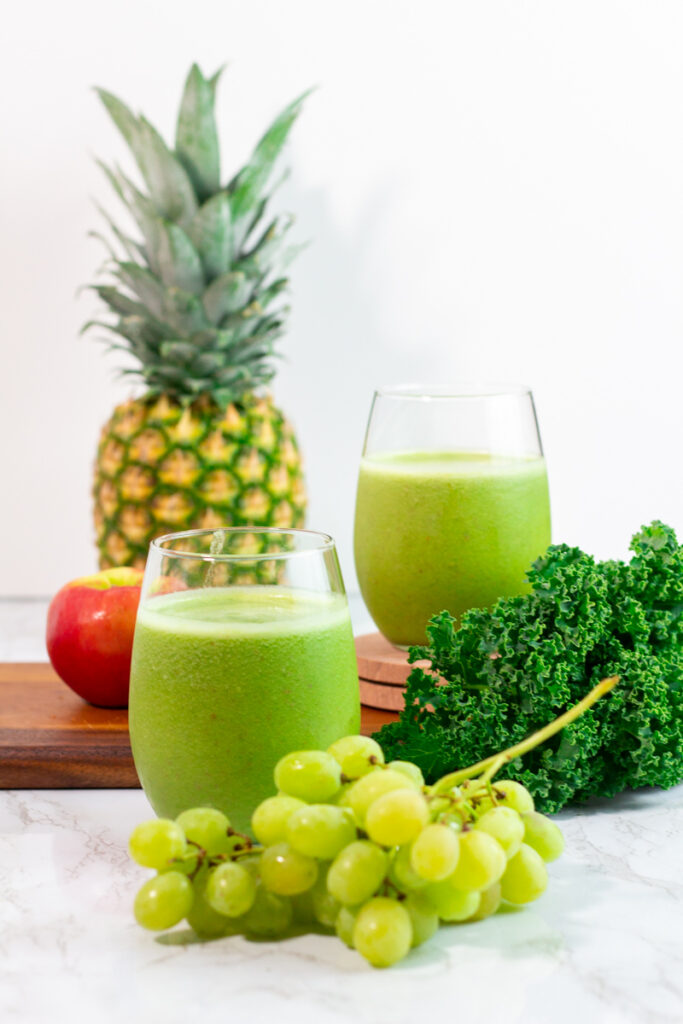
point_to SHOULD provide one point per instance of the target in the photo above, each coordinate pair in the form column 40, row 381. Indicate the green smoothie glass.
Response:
column 243, row 651
column 452, row 504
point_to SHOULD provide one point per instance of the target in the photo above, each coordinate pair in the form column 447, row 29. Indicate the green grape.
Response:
column 163, row 901
column 526, row 876
column 514, row 795
column 269, row 820
column 325, row 908
column 321, row 830
column 286, row 872
column 481, row 862
column 310, row 775
column 202, row 918
column 451, row 904
column 208, row 828
column 543, row 835
column 302, row 907
column 252, row 864
column 187, row 865
column 230, row 889
column 453, row 820
column 339, row 797
column 434, row 853
column 397, row 817
column 410, row 770
column 505, row 825
column 270, row 915
column 366, row 790
column 488, row 903
column 316, row 905
column 357, row 755
column 423, row 917
column 401, row 871
column 357, row 872
column 154, row 844
column 345, row 923
column 383, row 933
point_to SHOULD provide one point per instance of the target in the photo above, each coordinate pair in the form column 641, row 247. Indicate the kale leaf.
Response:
column 511, row 669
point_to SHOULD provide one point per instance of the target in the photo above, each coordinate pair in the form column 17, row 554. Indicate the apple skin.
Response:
column 90, row 627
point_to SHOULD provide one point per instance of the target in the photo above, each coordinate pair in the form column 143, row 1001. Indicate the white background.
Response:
column 490, row 190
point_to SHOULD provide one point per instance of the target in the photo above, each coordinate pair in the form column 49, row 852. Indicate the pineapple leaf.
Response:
column 137, row 343
column 178, row 352
column 125, row 120
column 212, row 236
column 287, row 255
column 166, row 375
column 106, row 243
column 196, row 135
column 140, row 207
column 168, row 181
column 249, row 183
column 139, row 331
column 129, row 372
column 243, row 230
column 225, row 295
column 253, row 350
column 271, row 292
column 241, row 325
column 206, row 364
column 269, row 257
column 261, row 207
column 180, row 310
column 144, row 284
column 89, row 324
column 125, row 306
column 194, row 296
column 233, row 374
column 179, row 262
column 226, row 395
column 184, row 311
column 259, row 261
column 209, row 338
column 133, row 249
column 215, row 78
column 166, row 178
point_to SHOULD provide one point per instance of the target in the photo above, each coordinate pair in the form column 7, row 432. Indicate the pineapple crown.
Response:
column 196, row 300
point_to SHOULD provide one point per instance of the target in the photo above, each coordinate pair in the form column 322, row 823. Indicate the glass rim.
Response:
column 327, row 544
column 465, row 390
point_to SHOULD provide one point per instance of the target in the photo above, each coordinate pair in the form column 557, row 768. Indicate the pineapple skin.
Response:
column 162, row 467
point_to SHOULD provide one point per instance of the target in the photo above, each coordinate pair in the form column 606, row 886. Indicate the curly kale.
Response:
column 511, row 669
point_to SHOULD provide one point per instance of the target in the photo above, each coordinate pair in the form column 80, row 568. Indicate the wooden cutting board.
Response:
column 383, row 671
column 51, row 739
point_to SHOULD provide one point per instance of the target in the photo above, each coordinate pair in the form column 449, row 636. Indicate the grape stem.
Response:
column 240, row 850
column 490, row 765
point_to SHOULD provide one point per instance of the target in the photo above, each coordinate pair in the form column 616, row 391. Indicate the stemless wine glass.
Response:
column 243, row 651
column 452, row 504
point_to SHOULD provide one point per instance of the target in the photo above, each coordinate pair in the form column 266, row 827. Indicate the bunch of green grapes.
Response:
column 352, row 845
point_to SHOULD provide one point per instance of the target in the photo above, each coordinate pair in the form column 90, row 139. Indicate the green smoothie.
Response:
column 445, row 530
column 225, row 681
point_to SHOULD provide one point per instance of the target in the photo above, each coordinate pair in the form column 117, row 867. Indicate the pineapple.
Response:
column 195, row 300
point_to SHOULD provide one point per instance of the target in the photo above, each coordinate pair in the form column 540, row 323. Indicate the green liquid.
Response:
column 225, row 681
column 445, row 530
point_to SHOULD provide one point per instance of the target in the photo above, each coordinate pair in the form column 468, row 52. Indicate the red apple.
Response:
column 90, row 626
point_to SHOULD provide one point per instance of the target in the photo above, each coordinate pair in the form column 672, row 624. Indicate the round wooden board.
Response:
column 372, row 719
column 379, row 695
column 380, row 662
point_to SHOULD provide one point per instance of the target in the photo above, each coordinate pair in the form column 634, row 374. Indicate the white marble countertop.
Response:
column 604, row 944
